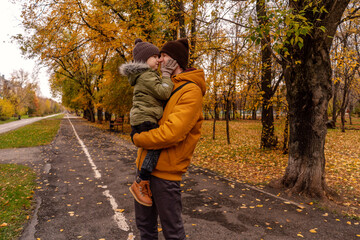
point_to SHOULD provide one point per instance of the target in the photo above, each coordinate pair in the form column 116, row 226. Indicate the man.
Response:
column 177, row 135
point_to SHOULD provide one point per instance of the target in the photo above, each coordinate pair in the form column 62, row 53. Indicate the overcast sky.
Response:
column 11, row 58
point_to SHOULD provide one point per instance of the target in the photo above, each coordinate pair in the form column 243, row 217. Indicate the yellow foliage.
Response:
column 6, row 108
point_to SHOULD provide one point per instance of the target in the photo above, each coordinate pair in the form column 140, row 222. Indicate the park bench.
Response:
column 116, row 123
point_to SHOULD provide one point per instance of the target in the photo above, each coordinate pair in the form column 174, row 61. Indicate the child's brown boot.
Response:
column 140, row 189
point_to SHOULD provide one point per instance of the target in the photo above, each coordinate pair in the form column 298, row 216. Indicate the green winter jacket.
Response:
column 150, row 92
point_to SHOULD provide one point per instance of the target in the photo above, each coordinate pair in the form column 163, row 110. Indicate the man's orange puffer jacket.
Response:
column 179, row 129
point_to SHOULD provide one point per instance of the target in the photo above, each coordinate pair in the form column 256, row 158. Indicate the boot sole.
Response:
column 142, row 203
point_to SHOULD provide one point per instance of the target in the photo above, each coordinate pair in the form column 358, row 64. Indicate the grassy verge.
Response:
column 35, row 134
column 17, row 184
column 14, row 119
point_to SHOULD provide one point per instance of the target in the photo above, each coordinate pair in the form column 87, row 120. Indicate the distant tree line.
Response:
column 18, row 96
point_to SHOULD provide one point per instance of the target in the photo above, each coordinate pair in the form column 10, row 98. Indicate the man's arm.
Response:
column 181, row 120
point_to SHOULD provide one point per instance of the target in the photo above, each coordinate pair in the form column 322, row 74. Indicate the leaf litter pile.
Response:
column 243, row 159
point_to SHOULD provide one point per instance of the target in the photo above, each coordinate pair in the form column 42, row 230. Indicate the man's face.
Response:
column 164, row 58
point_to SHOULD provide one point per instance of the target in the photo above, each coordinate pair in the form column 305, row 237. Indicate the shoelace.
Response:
column 146, row 190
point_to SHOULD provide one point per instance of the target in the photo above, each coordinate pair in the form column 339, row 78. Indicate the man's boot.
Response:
column 140, row 189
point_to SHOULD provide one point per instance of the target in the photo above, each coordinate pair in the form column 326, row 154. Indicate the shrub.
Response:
column 6, row 109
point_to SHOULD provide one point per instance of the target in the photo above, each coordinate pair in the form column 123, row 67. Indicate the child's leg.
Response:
column 149, row 164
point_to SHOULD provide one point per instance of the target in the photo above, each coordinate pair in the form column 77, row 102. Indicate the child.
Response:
column 150, row 93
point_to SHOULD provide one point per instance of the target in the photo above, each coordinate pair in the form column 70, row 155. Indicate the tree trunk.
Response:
column 240, row 108
column 268, row 139
column 194, row 12
column 85, row 115
column 214, row 126
column 342, row 117
column 107, row 116
column 176, row 18
column 350, row 109
column 233, row 110
column 180, row 17
column 91, row 114
column 334, row 113
column 216, row 112
column 286, row 135
column 227, row 118
column 308, row 93
column 100, row 115
column 253, row 117
column 344, row 106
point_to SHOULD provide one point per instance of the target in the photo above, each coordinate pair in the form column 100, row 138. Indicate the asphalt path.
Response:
column 83, row 193
column 6, row 127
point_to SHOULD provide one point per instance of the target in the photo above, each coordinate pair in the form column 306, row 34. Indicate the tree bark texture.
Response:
column 309, row 89
column 350, row 109
column 214, row 128
column 286, row 135
column 227, row 118
column 268, row 139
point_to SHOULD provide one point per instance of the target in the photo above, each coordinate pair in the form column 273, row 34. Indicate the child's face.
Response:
column 153, row 62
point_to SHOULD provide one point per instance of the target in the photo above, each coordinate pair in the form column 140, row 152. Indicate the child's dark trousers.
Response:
column 152, row 156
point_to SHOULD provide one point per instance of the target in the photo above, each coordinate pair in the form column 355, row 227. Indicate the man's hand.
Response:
column 168, row 68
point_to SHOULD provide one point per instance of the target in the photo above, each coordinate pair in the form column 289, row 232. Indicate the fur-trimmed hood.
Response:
column 133, row 69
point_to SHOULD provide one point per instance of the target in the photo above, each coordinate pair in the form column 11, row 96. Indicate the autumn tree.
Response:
column 308, row 82
column 268, row 84
column 346, row 62
column 23, row 94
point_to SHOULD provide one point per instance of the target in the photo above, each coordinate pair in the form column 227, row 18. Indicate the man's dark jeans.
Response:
column 167, row 205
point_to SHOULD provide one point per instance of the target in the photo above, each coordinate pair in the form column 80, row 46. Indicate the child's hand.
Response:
column 168, row 68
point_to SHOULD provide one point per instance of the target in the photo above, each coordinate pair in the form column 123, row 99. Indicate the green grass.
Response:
column 36, row 134
column 14, row 119
column 17, row 184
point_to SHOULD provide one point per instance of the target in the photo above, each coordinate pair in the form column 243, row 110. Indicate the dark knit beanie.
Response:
column 143, row 50
column 178, row 50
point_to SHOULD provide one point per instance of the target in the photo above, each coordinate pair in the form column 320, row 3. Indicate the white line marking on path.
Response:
column 97, row 173
column 118, row 216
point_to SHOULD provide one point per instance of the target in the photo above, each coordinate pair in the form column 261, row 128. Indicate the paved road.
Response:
column 6, row 127
column 83, row 194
